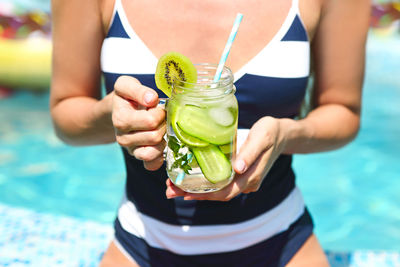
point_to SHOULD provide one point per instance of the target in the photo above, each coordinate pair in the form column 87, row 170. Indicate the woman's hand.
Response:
column 139, row 124
column 262, row 147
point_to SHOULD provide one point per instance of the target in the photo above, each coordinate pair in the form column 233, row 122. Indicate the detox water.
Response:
column 201, row 131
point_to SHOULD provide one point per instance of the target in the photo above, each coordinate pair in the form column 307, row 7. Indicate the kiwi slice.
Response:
column 173, row 65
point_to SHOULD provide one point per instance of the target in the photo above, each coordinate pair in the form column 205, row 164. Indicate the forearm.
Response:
column 326, row 128
column 84, row 120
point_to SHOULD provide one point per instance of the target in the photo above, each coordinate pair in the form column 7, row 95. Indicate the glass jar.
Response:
column 201, row 131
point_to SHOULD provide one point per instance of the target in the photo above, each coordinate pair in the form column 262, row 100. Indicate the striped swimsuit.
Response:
column 264, row 228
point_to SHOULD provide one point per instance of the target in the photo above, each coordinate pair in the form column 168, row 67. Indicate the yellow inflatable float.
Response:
column 25, row 44
column 25, row 50
column 25, row 64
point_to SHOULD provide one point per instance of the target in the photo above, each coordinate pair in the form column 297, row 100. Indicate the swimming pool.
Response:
column 353, row 193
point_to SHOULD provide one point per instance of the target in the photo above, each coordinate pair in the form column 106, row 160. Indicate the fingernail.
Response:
column 240, row 165
column 148, row 97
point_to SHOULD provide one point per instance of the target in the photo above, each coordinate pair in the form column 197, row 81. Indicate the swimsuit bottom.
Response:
column 273, row 252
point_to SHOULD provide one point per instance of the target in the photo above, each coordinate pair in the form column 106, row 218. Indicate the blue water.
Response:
column 28, row 5
column 39, row 172
column 353, row 193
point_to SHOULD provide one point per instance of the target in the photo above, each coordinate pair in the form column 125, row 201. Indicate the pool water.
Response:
column 56, row 198
column 39, row 172
column 24, row 5
column 353, row 193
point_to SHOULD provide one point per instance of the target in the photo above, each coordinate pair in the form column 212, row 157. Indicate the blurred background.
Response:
column 57, row 203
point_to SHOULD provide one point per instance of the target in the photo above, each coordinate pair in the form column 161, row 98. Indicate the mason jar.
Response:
column 202, row 122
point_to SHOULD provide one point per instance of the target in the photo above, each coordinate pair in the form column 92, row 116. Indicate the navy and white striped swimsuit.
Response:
column 264, row 228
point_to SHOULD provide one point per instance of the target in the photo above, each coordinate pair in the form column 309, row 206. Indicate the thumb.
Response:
column 131, row 89
column 249, row 152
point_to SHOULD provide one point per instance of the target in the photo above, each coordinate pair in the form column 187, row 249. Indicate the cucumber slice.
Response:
column 182, row 136
column 196, row 122
column 213, row 163
column 226, row 149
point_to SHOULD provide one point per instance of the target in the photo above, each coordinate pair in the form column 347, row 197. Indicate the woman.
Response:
column 260, row 219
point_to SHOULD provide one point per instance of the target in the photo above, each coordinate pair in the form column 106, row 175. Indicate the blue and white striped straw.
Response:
column 228, row 46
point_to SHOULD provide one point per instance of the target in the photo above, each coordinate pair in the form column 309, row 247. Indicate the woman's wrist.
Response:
column 102, row 111
column 102, row 119
column 84, row 120
column 294, row 135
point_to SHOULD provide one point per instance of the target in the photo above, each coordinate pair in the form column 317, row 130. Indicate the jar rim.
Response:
column 207, row 71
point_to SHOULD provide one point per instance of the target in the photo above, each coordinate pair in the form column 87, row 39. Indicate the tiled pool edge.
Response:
column 30, row 238
column 364, row 258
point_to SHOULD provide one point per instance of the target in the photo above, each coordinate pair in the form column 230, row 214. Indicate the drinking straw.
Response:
column 218, row 73
column 179, row 178
column 228, row 46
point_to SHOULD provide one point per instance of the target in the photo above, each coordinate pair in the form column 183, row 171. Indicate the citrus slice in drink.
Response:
column 226, row 149
column 197, row 122
column 181, row 135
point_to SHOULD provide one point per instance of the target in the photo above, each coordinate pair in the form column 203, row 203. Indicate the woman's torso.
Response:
column 270, row 59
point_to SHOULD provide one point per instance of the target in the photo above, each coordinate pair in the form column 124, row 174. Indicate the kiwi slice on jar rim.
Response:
column 171, row 66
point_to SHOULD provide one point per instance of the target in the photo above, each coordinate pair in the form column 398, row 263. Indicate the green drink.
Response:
column 201, row 131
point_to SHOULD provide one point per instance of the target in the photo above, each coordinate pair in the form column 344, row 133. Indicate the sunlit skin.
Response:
column 198, row 29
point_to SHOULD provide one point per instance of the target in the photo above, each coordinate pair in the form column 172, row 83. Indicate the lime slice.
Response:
column 196, row 122
column 181, row 135
column 188, row 139
column 226, row 149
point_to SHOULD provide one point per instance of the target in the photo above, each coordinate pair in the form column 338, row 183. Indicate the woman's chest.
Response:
column 271, row 70
column 199, row 29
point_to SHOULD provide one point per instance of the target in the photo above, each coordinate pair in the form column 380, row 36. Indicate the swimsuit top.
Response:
column 273, row 83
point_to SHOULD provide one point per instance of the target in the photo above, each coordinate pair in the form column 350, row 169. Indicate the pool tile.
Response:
column 30, row 238
column 34, row 239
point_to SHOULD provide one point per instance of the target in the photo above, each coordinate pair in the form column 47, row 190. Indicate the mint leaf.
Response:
column 173, row 144
column 186, row 168
column 181, row 161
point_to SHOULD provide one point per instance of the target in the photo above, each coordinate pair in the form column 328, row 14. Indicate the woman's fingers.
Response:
column 259, row 140
column 131, row 89
column 139, row 124
column 252, row 162
column 135, row 106
column 148, row 153
column 256, row 172
column 126, row 118
column 141, row 138
column 154, row 164
column 173, row 191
